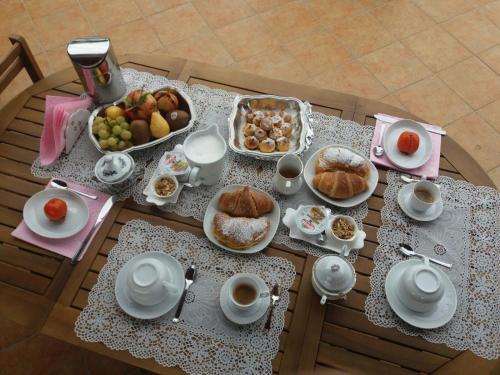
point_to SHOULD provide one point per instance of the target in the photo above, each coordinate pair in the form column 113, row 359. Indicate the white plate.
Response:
column 404, row 161
column 137, row 310
column 429, row 320
column 75, row 220
column 310, row 172
column 431, row 214
column 212, row 210
column 244, row 317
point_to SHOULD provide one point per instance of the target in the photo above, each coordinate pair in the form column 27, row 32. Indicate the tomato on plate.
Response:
column 55, row 209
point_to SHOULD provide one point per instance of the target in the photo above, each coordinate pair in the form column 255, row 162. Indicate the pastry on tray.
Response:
column 240, row 233
column 245, row 203
column 339, row 184
column 333, row 159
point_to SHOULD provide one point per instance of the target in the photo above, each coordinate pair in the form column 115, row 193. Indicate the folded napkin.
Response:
column 429, row 170
column 57, row 111
column 66, row 246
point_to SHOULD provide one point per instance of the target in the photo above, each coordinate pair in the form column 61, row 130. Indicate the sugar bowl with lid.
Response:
column 333, row 277
column 116, row 169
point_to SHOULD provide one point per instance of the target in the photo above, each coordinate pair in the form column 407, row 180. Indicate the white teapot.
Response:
column 332, row 277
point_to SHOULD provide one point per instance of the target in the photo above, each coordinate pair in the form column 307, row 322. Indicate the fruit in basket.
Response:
column 408, row 142
column 159, row 126
column 177, row 119
column 113, row 112
column 140, row 132
column 55, row 209
column 139, row 105
column 112, row 133
column 167, row 100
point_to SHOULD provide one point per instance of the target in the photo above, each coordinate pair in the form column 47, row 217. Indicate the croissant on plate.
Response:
column 240, row 233
column 333, row 159
column 339, row 185
column 245, row 203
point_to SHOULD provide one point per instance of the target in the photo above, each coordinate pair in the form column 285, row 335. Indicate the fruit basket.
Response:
column 142, row 120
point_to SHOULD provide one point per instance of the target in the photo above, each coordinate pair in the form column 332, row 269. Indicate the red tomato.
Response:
column 408, row 142
column 55, row 209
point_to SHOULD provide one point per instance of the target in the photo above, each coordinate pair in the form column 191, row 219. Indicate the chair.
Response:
column 19, row 57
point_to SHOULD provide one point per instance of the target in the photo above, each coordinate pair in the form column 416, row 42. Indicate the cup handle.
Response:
column 264, row 294
column 193, row 176
column 323, row 300
column 171, row 289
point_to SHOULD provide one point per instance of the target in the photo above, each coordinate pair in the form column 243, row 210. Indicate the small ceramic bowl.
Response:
column 341, row 241
column 311, row 220
column 157, row 179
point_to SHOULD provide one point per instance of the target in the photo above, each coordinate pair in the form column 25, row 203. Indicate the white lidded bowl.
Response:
column 333, row 277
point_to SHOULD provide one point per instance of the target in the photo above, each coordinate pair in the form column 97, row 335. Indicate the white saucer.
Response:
column 137, row 310
column 404, row 161
column 434, row 319
column 431, row 214
column 76, row 217
column 244, row 317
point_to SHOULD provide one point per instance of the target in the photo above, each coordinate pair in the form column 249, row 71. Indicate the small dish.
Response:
column 311, row 220
column 76, row 217
column 212, row 210
column 160, row 179
column 244, row 317
column 431, row 214
column 436, row 318
column 310, row 171
column 137, row 310
column 404, row 161
column 334, row 237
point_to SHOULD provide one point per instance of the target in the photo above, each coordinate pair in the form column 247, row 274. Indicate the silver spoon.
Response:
column 409, row 179
column 408, row 250
column 320, row 239
column 378, row 150
column 60, row 184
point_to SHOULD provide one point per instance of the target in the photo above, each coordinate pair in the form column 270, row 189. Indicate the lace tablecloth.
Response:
column 214, row 106
column 467, row 235
column 204, row 342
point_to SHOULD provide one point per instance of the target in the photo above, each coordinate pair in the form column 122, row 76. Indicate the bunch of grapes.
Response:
column 112, row 134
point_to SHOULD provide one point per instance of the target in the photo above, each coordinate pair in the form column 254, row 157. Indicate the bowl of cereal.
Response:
column 343, row 231
column 165, row 186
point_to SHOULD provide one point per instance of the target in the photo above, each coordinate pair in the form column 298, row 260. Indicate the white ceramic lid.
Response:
column 334, row 274
column 114, row 167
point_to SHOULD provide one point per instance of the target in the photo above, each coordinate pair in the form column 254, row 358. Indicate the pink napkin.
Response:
column 57, row 111
column 429, row 170
column 66, row 246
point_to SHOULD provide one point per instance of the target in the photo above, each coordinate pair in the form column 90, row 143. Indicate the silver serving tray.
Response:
column 155, row 142
column 300, row 111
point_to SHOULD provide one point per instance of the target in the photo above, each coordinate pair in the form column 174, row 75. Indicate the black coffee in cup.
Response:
column 289, row 172
column 244, row 294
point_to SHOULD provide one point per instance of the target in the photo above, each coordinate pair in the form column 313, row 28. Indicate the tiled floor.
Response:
column 439, row 59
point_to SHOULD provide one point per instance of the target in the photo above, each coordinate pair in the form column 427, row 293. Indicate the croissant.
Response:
column 333, row 159
column 245, row 203
column 339, row 185
column 240, row 233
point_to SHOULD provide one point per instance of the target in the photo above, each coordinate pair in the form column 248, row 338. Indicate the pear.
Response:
column 158, row 126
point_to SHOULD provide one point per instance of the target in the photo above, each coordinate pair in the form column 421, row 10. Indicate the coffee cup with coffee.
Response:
column 245, row 291
column 424, row 195
column 288, row 177
column 148, row 282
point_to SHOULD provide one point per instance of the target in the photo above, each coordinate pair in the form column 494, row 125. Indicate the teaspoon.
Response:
column 378, row 150
column 63, row 185
column 408, row 250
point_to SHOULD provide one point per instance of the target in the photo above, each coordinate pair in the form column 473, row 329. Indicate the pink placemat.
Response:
column 66, row 246
column 429, row 170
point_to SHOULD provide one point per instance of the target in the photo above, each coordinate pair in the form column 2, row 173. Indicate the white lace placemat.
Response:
column 204, row 342
column 213, row 106
column 467, row 235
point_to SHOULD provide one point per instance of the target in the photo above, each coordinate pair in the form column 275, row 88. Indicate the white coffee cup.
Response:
column 420, row 287
column 245, row 280
column 205, row 151
column 288, row 177
column 148, row 282
column 415, row 200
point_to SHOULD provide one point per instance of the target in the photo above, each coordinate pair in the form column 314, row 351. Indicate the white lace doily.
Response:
column 467, row 235
column 214, row 106
column 204, row 342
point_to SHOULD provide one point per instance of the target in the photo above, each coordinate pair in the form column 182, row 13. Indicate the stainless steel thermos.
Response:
column 98, row 69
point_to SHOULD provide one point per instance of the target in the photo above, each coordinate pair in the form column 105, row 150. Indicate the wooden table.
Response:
column 42, row 291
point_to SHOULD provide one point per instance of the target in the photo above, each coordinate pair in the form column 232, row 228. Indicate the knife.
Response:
column 190, row 276
column 102, row 214
column 430, row 128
